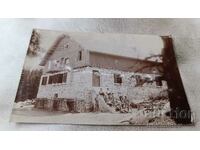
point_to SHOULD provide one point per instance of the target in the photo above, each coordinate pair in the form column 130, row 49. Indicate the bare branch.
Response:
column 160, row 56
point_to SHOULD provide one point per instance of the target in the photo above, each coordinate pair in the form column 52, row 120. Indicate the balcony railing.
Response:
column 57, row 67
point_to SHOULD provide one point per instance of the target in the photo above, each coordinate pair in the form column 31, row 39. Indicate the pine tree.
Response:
column 34, row 47
column 29, row 84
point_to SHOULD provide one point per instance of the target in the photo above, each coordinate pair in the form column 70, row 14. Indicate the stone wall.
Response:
column 61, row 104
column 79, row 86
column 78, row 81
column 127, row 88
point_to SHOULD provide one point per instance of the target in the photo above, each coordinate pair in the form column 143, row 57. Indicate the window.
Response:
column 62, row 60
column 58, row 78
column 56, row 63
column 50, row 80
column 147, row 79
column 66, row 61
column 49, row 65
column 117, row 78
column 66, row 46
column 80, row 55
column 64, row 79
column 158, row 81
column 44, row 80
column 55, row 95
column 95, row 78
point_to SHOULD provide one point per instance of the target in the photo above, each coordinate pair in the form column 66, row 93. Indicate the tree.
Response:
column 29, row 84
column 180, row 109
column 168, row 69
column 34, row 47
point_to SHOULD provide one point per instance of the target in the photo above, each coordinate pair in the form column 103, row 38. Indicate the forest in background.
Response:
column 29, row 84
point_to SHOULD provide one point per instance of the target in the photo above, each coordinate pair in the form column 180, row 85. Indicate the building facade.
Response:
column 73, row 75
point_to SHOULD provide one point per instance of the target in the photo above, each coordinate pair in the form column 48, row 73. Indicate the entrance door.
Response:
column 95, row 78
column 71, row 106
column 55, row 105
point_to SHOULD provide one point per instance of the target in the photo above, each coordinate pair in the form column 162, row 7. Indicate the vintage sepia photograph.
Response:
column 101, row 79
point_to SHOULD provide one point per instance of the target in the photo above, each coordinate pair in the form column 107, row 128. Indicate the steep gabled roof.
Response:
column 52, row 49
column 114, row 44
column 128, row 45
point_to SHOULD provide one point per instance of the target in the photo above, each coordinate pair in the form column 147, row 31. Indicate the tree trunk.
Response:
column 180, row 109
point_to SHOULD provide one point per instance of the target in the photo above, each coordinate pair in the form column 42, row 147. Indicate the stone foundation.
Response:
column 61, row 104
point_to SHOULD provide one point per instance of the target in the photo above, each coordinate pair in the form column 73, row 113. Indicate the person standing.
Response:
column 126, row 102
column 101, row 92
column 96, row 104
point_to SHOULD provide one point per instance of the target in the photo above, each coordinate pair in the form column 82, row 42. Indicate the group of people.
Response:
column 108, row 102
